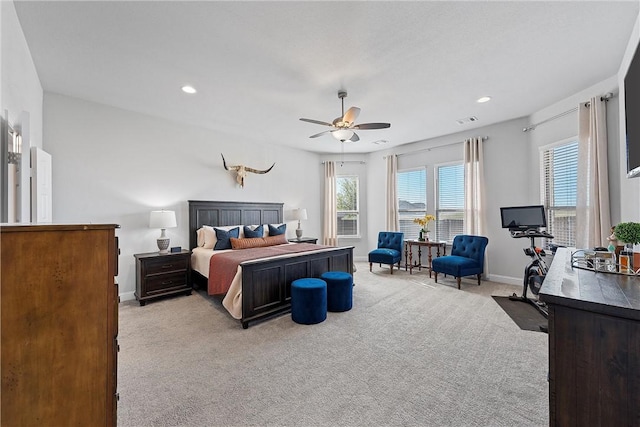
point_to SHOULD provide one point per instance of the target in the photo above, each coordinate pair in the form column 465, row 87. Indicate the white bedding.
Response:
column 232, row 301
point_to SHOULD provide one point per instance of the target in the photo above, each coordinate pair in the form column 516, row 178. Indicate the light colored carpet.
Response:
column 409, row 353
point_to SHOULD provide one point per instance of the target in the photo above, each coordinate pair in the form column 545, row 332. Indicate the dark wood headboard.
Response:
column 203, row 212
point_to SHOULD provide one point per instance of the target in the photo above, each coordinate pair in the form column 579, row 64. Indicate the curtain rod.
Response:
column 606, row 97
column 484, row 138
column 362, row 162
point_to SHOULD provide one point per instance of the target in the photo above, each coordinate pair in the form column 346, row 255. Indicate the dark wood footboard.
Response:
column 266, row 284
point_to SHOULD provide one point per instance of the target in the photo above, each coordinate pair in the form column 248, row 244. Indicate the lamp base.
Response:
column 298, row 232
column 163, row 245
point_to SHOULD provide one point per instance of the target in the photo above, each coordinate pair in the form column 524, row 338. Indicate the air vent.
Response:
column 467, row 120
column 380, row 142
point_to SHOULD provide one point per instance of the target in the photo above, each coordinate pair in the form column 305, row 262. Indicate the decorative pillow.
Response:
column 277, row 230
column 209, row 234
column 223, row 237
column 200, row 237
column 258, row 242
column 251, row 233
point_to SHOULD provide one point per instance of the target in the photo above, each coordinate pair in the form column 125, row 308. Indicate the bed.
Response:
column 262, row 287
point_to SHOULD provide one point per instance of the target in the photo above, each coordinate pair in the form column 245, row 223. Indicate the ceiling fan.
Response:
column 344, row 125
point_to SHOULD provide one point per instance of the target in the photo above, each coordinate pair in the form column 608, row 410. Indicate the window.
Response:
column 450, row 201
column 412, row 200
column 559, row 185
column 347, row 195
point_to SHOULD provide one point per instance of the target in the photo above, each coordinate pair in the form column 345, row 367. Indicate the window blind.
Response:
column 412, row 200
column 450, row 202
column 559, row 185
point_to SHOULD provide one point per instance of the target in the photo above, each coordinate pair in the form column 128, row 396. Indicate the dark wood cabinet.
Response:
column 594, row 345
column 313, row 240
column 159, row 275
column 59, row 309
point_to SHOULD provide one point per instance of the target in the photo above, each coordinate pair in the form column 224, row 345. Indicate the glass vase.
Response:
column 626, row 259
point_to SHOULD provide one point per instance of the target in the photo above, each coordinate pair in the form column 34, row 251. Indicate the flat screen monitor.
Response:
column 523, row 217
column 632, row 114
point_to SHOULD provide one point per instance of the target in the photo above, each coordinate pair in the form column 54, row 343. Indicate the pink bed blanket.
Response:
column 223, row 267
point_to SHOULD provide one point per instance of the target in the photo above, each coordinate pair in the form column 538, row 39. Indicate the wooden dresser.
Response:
column 594, row 345
column 59, row 323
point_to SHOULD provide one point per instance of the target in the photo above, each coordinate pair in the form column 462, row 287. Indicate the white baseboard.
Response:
column 505, row 279
column 127, row 296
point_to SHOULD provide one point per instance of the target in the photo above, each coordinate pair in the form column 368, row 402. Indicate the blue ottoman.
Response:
column 339, row 290
column 308, row 301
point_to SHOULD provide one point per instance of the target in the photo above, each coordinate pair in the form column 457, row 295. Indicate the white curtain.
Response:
column 473, row 187
column 393, row 223
column 593, row 222
column 330, row 233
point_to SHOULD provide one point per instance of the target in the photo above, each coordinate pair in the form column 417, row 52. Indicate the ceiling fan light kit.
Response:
column 343, row 126
column 343, row 134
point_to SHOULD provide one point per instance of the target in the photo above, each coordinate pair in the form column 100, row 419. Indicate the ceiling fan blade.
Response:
column 372, row 126
column 318, row 122
column 351, row 115
column 320, row 134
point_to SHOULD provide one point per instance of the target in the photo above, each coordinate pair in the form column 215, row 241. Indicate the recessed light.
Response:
column 188, row 89
column 484, row 99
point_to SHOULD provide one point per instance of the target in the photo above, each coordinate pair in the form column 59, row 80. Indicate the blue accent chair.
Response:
column 466, row 258
column 389, row 249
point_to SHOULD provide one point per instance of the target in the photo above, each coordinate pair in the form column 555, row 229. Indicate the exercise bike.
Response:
column 535, row 271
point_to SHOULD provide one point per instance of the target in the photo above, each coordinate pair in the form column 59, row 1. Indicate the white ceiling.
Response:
column 260, row 66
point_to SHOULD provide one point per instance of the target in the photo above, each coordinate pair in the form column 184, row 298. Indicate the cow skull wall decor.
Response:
column 241, row 170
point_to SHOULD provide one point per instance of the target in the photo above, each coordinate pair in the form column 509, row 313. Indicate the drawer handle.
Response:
column 167, row 282
column 167, row 266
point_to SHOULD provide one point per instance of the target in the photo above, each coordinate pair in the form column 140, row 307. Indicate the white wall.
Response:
column 21, row 89
column 115, row 166
column 20, row 94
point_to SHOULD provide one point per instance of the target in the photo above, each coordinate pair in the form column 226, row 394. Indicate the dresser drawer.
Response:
column 166, row 265
column 165, row 282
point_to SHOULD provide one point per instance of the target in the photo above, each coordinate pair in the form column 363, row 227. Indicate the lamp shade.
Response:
column 300, row 214
column 162, row 219
column 342, row 134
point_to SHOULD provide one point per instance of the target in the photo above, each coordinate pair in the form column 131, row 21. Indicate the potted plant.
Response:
column 629, row 234
column 424, row 226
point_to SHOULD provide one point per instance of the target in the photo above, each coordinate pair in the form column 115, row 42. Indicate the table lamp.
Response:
column 299, row 214
column 162, row 220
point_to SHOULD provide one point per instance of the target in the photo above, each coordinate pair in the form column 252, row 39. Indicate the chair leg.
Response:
column 478, row 280
column 458, row 279
column 436, row 273
column 391, row 265
column 370, row 266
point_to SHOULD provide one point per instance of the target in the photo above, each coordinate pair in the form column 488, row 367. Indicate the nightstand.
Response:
column 313, row 240
column 159, row 275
